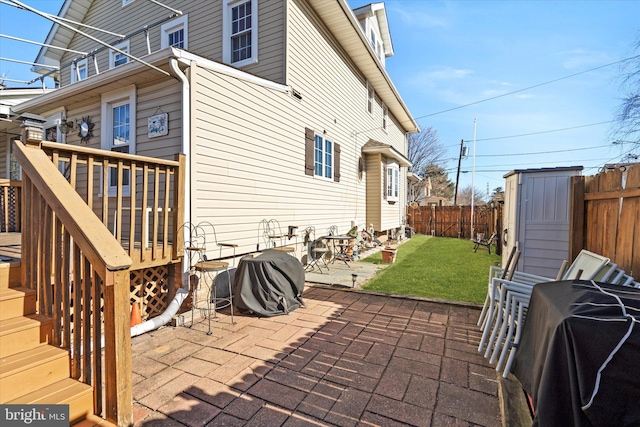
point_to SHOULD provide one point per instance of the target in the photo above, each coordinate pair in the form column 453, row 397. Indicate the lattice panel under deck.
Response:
column 149, row 288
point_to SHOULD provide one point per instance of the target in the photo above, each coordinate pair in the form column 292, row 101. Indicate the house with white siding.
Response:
column 283, row 108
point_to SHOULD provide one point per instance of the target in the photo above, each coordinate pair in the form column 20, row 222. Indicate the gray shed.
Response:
column 537, row 213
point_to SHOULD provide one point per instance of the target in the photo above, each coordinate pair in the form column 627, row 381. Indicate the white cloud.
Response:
column 419, row 19
column 578, row 59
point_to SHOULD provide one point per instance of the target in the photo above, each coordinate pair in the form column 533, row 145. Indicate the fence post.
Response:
column 576, row 222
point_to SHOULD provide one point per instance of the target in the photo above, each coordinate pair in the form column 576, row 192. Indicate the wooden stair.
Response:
column 31, row 370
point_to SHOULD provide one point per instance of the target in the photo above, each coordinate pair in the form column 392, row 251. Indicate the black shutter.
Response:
column 336, row 163
column 309, row 138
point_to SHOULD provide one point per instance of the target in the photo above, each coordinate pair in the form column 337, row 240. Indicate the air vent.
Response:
column 297, row 95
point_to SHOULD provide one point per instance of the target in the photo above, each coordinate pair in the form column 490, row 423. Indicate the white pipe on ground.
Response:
column 164, row 318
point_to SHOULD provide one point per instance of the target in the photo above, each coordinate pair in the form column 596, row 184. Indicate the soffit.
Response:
column 345, row 27
column 61, row 36
column 377, row 147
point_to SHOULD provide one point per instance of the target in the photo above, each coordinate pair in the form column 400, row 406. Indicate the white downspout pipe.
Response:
column 181, row 293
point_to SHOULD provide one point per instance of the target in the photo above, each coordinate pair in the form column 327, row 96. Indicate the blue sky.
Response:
column 452, row 53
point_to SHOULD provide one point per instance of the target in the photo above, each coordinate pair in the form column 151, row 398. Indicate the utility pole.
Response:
column 455, row 197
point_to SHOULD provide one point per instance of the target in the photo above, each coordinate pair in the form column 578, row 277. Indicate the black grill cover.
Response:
column 269, row 284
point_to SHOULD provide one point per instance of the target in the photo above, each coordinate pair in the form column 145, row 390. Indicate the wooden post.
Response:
column 117, row 349
column 576, row 224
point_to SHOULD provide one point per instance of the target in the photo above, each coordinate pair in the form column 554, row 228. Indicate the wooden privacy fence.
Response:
column 10, row 201
column 455, row 221
column 606, row 216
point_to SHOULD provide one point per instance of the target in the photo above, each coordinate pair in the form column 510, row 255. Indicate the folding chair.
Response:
column 317, row 250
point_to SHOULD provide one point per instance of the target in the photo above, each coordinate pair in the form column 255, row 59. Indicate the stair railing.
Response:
column 81, row 275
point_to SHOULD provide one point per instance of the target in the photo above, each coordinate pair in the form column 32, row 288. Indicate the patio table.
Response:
column 339, row 248
column 579, row 353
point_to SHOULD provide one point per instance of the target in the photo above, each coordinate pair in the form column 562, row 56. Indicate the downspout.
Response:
column 182, row 292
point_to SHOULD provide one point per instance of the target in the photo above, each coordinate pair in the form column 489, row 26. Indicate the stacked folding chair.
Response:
column 509, row 291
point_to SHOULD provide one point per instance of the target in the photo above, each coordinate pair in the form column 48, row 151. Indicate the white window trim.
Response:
column 371, row 100
column 393, row 184
column 385, row 118
column 84, row 63
column 124, row 95
column 226, row 33
column 333, row 157
column 173, row 26
column 124, row 46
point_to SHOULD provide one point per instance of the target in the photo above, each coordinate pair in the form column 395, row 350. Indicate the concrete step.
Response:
column 77, row 395
column 16, row 302
column 31, row 370
column 24, row 333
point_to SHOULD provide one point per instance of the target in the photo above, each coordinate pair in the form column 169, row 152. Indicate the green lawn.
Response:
column 435, row 267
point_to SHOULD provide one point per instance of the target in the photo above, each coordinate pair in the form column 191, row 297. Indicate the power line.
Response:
column 529, row 87
column 545, row 131
column 544, row 152
column 536, row 133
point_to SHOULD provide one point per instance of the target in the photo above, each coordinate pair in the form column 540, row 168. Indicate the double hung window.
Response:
column 323, row 157
column 240, row 32
column 116, row 58
column 371, row 98
column 79, row 70
column 175, row 33
column 392, row 181
column 119, row 118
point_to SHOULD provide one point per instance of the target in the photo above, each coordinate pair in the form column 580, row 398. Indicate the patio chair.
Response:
column 317, row 250
column 500, row 321
column 206, row 263
column 270, row 236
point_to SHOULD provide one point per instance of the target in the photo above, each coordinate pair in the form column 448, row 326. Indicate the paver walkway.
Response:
column 346, row 359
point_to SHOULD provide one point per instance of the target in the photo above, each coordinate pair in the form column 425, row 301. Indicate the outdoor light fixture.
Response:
column 354, row 277
column 65, row 126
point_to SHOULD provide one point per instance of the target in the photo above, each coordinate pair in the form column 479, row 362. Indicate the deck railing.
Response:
column 139, row 199
column 10, row 202
column 81, row 275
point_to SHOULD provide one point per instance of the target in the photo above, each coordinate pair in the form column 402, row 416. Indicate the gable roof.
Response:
column 344, row 26
column 61, row 36
column 378, row 10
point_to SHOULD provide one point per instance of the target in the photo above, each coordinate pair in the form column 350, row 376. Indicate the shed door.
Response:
column 509, row 236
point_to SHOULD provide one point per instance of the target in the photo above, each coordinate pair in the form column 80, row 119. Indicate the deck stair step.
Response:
column 9, row 274
column 16, row 302
column 24, row 333
column 32, row 369
column 94, row 421
column 77, row 395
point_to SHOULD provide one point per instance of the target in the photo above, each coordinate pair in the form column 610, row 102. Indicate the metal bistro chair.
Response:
column 206, row 264
column 270, row 235
column 317, row 250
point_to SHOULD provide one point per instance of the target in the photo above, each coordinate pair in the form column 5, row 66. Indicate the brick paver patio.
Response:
column 346, row 359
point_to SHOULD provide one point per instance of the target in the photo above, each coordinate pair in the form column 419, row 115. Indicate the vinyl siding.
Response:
column 204, row 32
column 249, row 148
